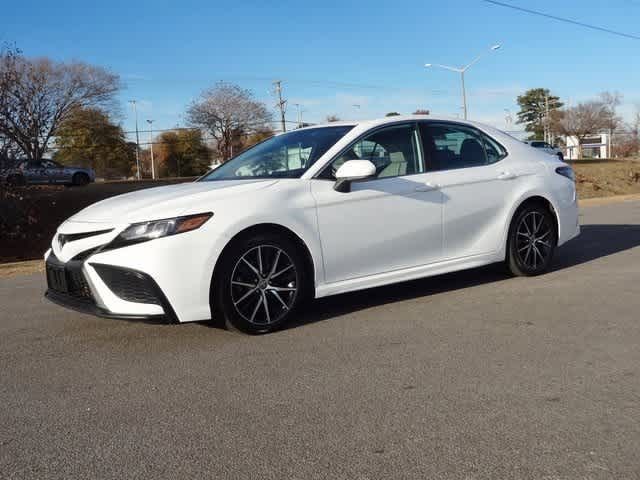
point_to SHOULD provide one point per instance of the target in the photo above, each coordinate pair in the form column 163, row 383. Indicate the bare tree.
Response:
column 8, row 150
column 227, row 111
column 8, row 56
column 611, row 101
column 38, row 94
column 584, row 119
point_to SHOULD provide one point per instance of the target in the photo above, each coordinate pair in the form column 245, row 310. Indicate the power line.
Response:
column 205, row 137
column 175, row 129
column 562, row 19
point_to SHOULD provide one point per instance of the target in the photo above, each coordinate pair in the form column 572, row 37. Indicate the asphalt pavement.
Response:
column 473, row 375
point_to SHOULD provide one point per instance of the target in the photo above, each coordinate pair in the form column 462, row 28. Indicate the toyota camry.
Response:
column 315, row 212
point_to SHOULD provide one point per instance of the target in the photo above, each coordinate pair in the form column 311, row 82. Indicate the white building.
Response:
column 593, row 146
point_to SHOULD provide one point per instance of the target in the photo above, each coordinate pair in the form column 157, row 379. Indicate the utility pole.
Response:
column 508, row 119
column 153, row 170
column 281, row 103
column 135, row 109
column 547, row 128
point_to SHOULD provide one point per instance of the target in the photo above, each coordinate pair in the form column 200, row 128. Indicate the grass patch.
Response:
column 605, row 178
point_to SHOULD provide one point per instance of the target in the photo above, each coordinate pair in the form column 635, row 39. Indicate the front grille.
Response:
column 67, row 279
column 78, row 286
column 129, row 285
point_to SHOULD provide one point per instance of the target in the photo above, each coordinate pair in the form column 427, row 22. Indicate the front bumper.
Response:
column 83, row 287
column 73, row 303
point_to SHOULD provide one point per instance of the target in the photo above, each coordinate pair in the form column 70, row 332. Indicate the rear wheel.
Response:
column 532, row 241
column 80, row 179
column 261, row 283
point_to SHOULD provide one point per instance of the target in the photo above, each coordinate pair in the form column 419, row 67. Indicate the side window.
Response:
column 495, row 152
column 393, row 150
column 32, row 165
column 450, row 146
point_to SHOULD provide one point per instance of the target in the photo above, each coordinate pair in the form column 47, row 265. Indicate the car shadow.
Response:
column 594, row 242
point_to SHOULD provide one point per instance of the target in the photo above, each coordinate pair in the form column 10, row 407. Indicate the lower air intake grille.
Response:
column 78, row 286
column 129, row 285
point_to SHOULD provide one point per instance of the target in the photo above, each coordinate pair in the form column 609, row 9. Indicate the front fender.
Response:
column 295, row 212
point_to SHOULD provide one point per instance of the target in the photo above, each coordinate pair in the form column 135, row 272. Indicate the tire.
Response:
column 16, row 180
column 239, row 294
column 80, row 179
column 533, row 237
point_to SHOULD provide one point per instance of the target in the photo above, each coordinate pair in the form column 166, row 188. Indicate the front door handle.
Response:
column 506, row 176
column 427, row 187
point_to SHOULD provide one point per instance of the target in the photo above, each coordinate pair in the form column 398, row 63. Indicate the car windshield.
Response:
column 284, row 156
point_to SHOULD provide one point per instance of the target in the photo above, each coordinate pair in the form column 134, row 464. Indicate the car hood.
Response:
column 165, row 202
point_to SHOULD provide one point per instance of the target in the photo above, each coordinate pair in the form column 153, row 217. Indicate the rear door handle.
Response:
column 506, row 176
column 427, row 187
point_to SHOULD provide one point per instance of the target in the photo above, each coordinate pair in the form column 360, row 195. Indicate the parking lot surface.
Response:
column 473, row 375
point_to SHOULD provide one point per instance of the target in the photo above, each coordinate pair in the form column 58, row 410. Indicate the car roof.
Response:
column 393, row 119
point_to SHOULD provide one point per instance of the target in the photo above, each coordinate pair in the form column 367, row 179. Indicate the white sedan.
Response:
column 316, row 212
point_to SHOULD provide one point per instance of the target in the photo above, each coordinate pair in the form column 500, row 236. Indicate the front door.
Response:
column 386, row 223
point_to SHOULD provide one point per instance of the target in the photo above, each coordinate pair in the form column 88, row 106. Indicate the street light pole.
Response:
column 464, row 95
column 461, row 71
column 135, row 109
column 299, row 116
column 153, row 171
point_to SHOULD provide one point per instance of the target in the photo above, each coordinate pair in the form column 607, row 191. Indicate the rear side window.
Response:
column 452, row 146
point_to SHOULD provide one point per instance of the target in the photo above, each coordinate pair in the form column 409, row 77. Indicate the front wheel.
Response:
column 80, row 179
column 532, row 240
column 16, row 180
column 261, row 283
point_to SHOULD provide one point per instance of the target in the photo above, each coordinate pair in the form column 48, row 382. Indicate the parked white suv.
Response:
column 545, row 147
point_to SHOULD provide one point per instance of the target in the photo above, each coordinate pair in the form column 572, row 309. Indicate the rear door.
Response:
column 467, row 166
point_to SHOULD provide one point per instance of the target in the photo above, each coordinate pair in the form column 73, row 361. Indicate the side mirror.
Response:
column 351, row 171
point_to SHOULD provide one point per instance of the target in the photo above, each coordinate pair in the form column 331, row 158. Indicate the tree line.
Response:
column 69, row 110
column 546, row 117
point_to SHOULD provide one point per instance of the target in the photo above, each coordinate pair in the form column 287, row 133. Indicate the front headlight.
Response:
column 144, row 231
